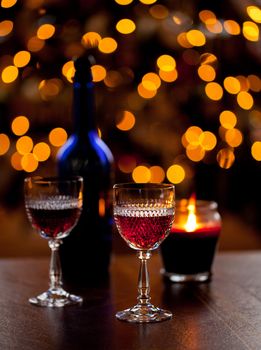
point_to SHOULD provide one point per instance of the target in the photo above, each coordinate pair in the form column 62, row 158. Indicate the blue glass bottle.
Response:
column 85, row 253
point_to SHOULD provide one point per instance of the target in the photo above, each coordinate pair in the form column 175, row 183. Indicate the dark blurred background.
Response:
column 177, row 94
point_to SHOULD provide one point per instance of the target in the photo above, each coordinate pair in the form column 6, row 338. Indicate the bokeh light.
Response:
column 58, row 137
column 206, row 72
column 225, row 158
column 91, row 39
column 205, row 15
column 159, row 11
column 256, row 150
column 183, row 41
column 41, row 151
column 98, row 72
column 22, row 58
column 214, row 91
column 157, row 174
column 9, row 74
column 176, row 174
column 208, row 58
column 125, row 26
column 233, row 137
column 4, row 144
column 168, row 77
column 228, row 119
column 127, row 121
column 232, row 27
column 8, row 3
column 145, row 93
column 16, row 161
column 245, row 100
column 207, row 140
column 195, row 153
column 166, row 63
column 244, row 83
column 35, row 44
column 127, row 163
column 6, row 27
column 254, row 82
column 107, row 45
column 68, row 71
column 196, row 37
column 45, row 31
column 24, row 145
column 214, row 26
column 141, row 174
column 250, row 31
column 151, row 81
column 232, row 85
column 20, row 125
column 29, row 162
column 148, row 2
column 254, row 13
column 192, row 135
column 123, row 2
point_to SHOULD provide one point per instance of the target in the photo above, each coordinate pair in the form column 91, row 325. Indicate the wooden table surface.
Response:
column 222, row 315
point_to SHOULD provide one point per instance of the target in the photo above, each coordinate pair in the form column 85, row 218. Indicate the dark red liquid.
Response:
column 190, row 252
column 144, row 232
column 53, row 223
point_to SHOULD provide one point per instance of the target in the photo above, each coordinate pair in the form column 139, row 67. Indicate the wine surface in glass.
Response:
column 54, row 217
column 143, row 228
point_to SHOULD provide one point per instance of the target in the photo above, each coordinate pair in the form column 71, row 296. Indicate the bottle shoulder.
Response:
column 89, row 146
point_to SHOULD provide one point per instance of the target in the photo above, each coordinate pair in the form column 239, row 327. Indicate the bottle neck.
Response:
column 83, row 107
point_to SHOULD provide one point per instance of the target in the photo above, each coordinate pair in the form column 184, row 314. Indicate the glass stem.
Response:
column 144, row 281
column 55, row 272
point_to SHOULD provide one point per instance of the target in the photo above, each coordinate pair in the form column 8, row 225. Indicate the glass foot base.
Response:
column 55, row 298
column 144, row 314
column 195, row 277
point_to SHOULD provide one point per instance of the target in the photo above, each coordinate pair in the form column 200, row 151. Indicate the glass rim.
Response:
column 52, row 179
column 143, row 186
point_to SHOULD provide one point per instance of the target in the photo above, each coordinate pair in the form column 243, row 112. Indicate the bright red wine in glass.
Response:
column 143, row 228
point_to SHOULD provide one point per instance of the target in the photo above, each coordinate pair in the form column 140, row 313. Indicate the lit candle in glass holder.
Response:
column 188, row 252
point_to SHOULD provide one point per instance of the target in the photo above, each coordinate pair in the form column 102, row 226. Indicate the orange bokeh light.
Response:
column 176, row 173
column 107, row 45
column 214, row 91
column 4, row 144
column 45, row 31
column 206, row 72
column 127, row 121
column 57, row 137
column 141, row 174
column 20, row 125
column 98, row 72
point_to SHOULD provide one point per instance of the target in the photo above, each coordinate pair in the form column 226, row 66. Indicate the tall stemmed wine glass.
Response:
column 143, row 214
column 53, row 206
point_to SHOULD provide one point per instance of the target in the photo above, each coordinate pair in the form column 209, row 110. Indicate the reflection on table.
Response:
column 223, row 314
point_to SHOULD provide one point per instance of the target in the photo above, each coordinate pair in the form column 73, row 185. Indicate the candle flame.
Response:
column 191, row 223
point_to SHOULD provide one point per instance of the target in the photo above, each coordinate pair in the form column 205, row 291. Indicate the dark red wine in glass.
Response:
column 53, row 206
column 55, row 217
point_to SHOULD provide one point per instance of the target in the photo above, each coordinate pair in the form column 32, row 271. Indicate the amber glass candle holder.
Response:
column 188, row 252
